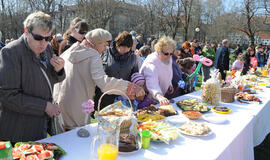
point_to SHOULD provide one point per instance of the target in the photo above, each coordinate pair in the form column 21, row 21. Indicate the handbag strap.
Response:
column 57, row 121
column 47, row 78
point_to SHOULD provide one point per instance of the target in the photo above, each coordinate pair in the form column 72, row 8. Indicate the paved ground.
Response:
column 262, row 152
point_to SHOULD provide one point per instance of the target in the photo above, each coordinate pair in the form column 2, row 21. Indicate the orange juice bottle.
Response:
column 107, row 152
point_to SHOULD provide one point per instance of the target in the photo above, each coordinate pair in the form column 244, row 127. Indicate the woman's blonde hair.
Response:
column 164, row 41
column 38, row 19
column 98, row 35
column 193, row 44
column 66, row 35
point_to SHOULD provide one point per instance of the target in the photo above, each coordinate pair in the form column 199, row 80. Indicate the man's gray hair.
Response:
column 225, row 41
column 98, row 35
column 38, row 19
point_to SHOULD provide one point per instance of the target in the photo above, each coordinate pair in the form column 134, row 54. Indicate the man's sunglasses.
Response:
column 167, row 54
column 79, row 31
column 40, row 38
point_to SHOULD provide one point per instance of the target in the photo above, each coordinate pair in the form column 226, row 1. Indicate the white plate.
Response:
column 177, row 119
column 202, row 135
column 214, row 119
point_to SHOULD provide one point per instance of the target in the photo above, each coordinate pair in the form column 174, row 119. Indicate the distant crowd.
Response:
column 44, row 75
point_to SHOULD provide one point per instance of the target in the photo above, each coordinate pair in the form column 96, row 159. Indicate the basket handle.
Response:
column 114, row 90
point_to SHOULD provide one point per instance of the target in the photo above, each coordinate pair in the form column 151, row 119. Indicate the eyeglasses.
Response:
column 79, row 31
column 167, row 54
column 40, row 38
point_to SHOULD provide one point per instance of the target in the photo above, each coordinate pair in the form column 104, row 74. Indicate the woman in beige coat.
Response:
column 84, row 71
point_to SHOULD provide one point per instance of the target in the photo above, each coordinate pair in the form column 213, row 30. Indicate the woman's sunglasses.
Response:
column 167, row 54
column 79, row 31
column 40, row 38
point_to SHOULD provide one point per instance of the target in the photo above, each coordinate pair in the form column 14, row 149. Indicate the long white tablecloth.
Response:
column 246, row 127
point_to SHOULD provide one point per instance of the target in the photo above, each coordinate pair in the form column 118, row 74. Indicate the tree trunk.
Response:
column 152, row 23
column 173, row 35
column 252, row 39
column 176, row 26
column 186, row 34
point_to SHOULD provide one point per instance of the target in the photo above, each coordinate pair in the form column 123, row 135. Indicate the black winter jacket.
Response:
column 222, row 59
column 118, row 66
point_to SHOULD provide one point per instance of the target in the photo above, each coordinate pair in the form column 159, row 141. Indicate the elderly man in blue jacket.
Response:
column 222, row 58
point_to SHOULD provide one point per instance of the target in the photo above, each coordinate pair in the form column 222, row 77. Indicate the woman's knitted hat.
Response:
column 137, row 78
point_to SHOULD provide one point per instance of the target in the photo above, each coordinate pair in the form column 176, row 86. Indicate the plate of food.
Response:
column 192, row 104
column 195, row 129
column 147, row 117
column 249, row 90
column 193, row 115
column 129, row 144
column 244, row 97
column 166, row 111
column 256, row 88
column 160, row 131
column 222, row 110
column 37, row 150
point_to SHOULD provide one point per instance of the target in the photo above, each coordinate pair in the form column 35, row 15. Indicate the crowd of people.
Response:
column 42, row 76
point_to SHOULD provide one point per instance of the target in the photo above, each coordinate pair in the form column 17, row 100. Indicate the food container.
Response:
column 125, row 114
column 193, row 115
column 147, row 117
column 222, row 110
column 227, row 95
column 211, row 89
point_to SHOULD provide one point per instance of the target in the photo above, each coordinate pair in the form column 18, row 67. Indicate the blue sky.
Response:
column 230, row 3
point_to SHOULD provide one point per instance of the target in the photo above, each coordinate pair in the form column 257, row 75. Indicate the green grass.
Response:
column 232, row 58
column 199, row 83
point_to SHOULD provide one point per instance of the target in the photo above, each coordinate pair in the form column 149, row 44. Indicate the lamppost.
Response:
column 197, row 30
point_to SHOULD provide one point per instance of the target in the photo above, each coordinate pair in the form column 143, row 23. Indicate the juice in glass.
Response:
column 107, row 152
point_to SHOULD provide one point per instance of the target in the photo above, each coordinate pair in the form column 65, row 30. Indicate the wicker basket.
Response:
column 125, row 124
column 227, row 95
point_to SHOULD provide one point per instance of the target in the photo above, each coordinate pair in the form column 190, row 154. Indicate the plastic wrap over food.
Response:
column 211, row 89
column 112, row 116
